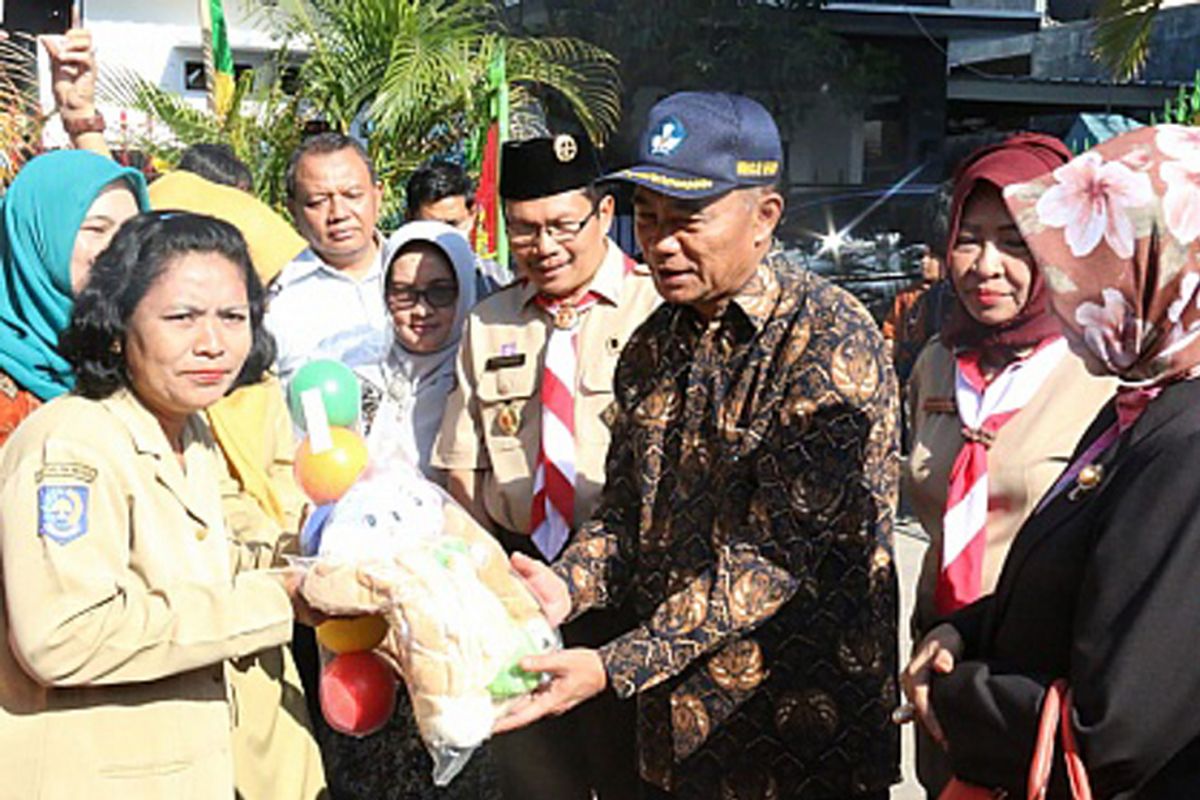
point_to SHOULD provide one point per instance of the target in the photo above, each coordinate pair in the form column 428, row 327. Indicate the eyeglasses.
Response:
column 405, row 296
column 522, row 235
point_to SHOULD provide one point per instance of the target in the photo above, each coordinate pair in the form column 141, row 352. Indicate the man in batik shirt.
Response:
column 750, row 494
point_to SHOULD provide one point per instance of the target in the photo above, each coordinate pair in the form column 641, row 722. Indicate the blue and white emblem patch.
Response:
column 667, row 137
column 62, row 512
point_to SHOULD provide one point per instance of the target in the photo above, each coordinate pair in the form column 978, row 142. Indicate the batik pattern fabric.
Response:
column 747, row 517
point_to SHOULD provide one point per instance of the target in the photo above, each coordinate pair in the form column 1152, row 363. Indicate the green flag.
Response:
column 218, row 58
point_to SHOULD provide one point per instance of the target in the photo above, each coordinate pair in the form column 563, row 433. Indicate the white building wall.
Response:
column 154, row 38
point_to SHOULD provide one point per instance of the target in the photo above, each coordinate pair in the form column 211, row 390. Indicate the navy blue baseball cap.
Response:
column 701, row 144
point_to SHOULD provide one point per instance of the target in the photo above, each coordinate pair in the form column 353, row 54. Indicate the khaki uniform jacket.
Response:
column 1029, row 453
column 275, row 755
column 119, row 609
column 493, row 420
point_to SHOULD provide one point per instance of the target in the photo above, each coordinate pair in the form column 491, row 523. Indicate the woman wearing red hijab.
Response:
column 997, row 401
column 1100, row 586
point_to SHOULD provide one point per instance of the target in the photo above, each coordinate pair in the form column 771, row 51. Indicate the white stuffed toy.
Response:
column 460, row 619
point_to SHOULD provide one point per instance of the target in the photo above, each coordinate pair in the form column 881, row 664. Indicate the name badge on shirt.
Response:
column 939, row 405
column 62, row 512
column 505, row 362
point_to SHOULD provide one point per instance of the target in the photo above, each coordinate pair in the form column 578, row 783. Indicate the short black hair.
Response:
column 936, row 219
column 93, row 341
column 434, row 181
column 322, row 144
column 217, row 163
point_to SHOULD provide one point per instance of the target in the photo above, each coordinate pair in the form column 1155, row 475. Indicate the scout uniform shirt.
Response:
column 493, row 418
column 119, row 608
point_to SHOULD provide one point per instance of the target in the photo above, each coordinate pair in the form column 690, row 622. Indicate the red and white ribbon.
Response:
column 553, row 511
column 983, row 408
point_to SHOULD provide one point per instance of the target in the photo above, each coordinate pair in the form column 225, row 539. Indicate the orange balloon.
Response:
column 351, row 634
column 326, row 476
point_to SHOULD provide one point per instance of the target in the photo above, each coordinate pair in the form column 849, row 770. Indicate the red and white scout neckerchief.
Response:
column 983, row 408
column 553, row 511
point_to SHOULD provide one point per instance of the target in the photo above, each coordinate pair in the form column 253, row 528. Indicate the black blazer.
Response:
column 1101, row 587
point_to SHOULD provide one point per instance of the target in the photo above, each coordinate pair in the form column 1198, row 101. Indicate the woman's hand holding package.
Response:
column 938, row 652
column 292, row 580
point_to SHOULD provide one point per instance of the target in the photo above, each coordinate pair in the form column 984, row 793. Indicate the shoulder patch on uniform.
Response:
column 67, row 470
column 62, row 512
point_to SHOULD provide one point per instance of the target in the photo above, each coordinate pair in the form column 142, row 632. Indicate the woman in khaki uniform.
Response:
column 119, row 604
column 275, row 754
column 997, row 402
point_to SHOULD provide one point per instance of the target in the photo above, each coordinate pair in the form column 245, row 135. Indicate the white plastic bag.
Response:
column 396, row 544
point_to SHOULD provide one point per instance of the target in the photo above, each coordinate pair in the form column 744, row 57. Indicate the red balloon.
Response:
column 358, row 693
column 327, row 475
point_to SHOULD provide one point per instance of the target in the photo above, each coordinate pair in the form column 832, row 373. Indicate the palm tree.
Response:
column 410, row 75
column 413, row 73
column 263, row 125
column 21, row 118
column 1122, row 35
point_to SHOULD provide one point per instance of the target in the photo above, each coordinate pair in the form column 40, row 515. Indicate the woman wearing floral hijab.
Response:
column 1100, row 585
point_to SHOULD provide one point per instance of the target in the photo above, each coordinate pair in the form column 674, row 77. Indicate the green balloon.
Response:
column 340, row 393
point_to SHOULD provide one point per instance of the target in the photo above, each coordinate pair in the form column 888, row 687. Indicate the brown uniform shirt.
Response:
column 119, row 608
column 1029, row 453
column 493, row 419
column 275, row 755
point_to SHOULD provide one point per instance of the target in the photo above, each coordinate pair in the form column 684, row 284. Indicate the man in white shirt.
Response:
column 328, row 303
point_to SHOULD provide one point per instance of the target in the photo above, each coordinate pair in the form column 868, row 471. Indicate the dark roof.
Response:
column 931, row 21
column 971, row 85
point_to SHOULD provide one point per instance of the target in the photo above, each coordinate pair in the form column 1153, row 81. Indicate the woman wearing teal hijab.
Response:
column 59, row 213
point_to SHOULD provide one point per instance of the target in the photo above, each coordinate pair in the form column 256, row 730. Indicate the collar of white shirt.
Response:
column 309, row 263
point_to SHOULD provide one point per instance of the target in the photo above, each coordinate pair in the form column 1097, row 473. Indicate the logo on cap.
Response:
column 565, row 147
column 667, row 137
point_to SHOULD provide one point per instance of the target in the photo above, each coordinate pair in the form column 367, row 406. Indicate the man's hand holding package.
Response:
column 543, row 584
column 575, row 675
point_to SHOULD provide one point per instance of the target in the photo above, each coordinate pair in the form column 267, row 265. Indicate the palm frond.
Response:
column 585, row 75
column 413, row 76
column 122, row 87
column 1121, row 38
column 263, row 125
column 21, row 118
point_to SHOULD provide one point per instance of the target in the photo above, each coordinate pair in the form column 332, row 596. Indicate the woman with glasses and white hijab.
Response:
column 429, row 287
